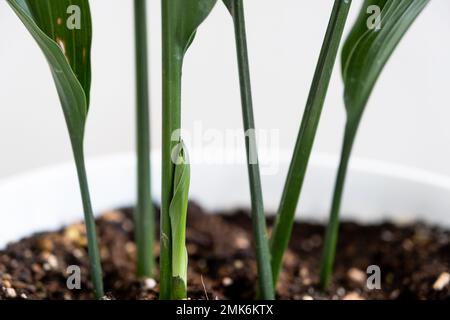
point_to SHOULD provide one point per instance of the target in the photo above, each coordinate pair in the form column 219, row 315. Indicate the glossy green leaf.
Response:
column 294, row 181
column 178, row 216
column 364, row 56
column 67, row 52
column 366, row 51
column 62, row 29
column 180, row 20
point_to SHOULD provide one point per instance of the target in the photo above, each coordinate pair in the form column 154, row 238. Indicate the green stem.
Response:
column 144, row 215
column 310, row 121
column 171, row 121
column 266, row 289
column 331, row 235
column 93, row 251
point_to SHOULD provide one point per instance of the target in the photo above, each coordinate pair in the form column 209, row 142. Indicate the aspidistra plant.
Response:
column 180, row 20
column 266, row 291
column 368, row 47
column 294, row 181
column 63, row 31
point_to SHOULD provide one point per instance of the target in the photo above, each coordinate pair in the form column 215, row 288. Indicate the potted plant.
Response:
column 199, row 255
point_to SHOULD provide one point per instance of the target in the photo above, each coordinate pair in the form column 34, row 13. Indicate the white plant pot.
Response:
column 49, row 198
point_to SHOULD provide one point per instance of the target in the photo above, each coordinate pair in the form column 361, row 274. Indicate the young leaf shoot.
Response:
column 365, row 53
column 178, row 215
column 180, row 20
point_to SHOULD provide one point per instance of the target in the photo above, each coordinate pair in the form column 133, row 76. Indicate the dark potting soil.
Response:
column 414, row 261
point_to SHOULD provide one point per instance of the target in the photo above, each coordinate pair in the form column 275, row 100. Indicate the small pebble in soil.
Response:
column 356, row 275
column 442, row 281
column 76, row 234
column 305, row 276
column 340, row 291
column 52, row 261
column 113, row 216
column 149, row 283
column 238, row 264
column 242, row 243
column 353, row 296
column 78, row 253
column 227, row 281
column 11, row 293
column 130, row 247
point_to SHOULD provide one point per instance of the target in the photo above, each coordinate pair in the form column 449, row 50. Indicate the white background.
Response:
column 406, row 122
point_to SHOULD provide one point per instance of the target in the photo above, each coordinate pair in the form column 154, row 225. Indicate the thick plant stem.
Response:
column 266, row 290
column 144, row 215
column 286, row 212
column 93, row 250
column 171, row 123
column 331, row 235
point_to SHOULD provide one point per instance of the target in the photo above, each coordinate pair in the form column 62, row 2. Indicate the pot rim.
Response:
column 375, row 190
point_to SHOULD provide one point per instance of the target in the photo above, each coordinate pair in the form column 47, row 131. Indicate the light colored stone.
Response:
column 307, row 298
column 76, row 234
column 7, row 284
column 130, row 247
column 11, row 293
column 238, row 264
column 357, row 275
column 305, row 276
column 340, row 292
column 442, row 281
column 242, row 242
column 52, row 261
column 353, row 296
column 227, row 281
column 78, row 253
column 149, row 283
column 113, row 216
column 289, row 259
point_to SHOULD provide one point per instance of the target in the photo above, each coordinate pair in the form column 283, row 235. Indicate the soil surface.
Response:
column 414, row 261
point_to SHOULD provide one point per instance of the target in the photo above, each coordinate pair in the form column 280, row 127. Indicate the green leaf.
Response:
column 63, row 31
column 67, row 52
column 294, row 181
column 364, row 56
column 178, row 216
column 366, row 51
column 180, row 20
